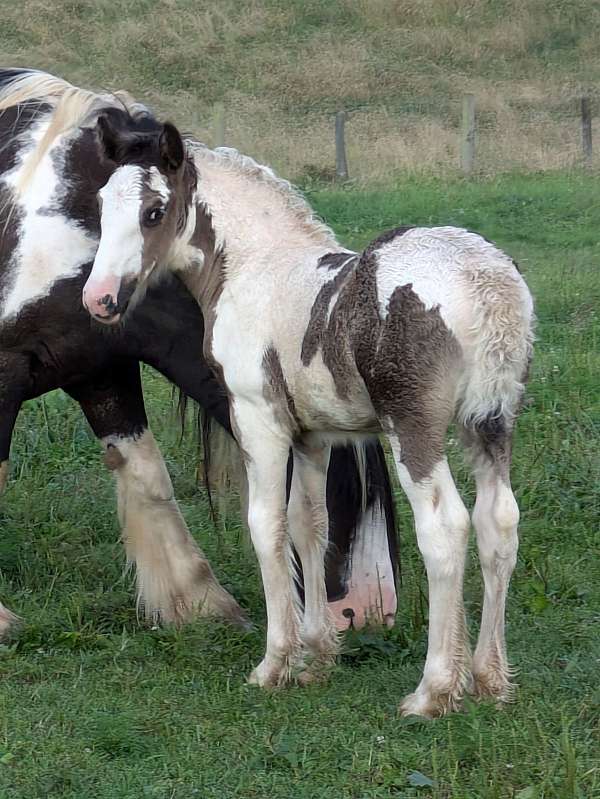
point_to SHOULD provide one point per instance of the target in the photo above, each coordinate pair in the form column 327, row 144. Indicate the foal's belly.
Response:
column 321, row 407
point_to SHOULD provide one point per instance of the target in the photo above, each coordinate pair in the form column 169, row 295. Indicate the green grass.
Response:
column 96, row 706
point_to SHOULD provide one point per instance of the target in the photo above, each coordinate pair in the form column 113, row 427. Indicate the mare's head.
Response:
column 143, row 208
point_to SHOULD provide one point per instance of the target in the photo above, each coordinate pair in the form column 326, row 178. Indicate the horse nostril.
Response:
column 109, row 304
column 348, row 613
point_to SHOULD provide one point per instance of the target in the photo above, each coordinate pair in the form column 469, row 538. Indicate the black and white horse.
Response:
column 47, row 341
column 317, row 345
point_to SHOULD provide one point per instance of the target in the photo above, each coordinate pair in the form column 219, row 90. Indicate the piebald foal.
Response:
column 314, row 344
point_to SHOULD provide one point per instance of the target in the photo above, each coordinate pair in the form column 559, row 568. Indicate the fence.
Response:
column 469, row 157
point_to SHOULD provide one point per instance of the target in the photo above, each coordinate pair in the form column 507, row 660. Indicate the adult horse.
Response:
column 315, row 344
column 46, row 341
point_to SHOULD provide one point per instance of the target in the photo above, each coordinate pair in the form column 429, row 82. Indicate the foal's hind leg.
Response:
column 495, row 518
column 307, row 520
column 174, row 579
column 442, row 527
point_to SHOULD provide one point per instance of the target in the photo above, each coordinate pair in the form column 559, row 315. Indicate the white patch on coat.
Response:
column 51, row 247
column 336, row 294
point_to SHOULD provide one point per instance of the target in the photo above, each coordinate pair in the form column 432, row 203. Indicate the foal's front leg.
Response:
column 265, row 448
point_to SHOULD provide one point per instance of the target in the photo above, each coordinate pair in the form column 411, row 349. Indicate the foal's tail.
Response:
column 500, row 345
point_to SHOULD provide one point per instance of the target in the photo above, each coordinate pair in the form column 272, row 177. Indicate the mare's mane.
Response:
column 71, row 106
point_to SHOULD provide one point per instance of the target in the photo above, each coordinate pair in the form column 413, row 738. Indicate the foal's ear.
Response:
column 108, row 134
column 171, row 148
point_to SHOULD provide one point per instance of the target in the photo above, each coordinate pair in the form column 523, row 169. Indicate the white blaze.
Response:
column 121, row 242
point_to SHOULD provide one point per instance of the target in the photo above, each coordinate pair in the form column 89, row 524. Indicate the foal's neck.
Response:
column 203, row 271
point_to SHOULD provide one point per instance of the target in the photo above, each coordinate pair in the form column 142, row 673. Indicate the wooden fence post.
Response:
column 341, row 164
column 468, row 134
column 586, row 130
column 218, row 125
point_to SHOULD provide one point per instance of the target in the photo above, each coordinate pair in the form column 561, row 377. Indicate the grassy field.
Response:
column 95, row 706
column 284, row 67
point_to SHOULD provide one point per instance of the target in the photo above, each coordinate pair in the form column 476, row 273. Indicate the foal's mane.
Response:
column 231, row 159
column 71, row 106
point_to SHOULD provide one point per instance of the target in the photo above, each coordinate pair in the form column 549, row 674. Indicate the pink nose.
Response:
column 368, row 603
column 100, row 298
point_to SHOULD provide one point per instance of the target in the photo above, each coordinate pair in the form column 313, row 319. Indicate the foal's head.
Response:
column 143, row 208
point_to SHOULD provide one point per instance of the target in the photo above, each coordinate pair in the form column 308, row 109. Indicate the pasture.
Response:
column 96, row 706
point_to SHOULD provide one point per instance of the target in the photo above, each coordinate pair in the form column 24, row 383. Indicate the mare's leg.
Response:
column 307, row 519
column 265, row 447
column 442, row 526
column 495, row 518
column 11, row 396
column 174, row 578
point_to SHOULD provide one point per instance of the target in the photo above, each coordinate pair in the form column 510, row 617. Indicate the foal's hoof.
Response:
column 430, row 704
column 272, row 675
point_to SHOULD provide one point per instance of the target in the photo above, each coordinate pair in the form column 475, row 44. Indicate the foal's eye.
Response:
column 153, row 216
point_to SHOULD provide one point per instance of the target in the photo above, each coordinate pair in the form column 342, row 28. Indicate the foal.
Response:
column 317, row 345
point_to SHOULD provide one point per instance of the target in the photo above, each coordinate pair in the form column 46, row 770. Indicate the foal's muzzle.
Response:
column 107, row 300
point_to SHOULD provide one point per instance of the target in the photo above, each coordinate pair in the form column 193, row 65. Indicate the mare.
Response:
column 47, row 341
column 316, row 345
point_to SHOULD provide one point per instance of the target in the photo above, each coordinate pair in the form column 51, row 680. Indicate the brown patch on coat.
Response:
column 276, row 390
column 159, row 238
column 317, row 334
column 407, row 360
column 206, row 282
column 113, row 458
column 10, row 231
column 335, row 260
